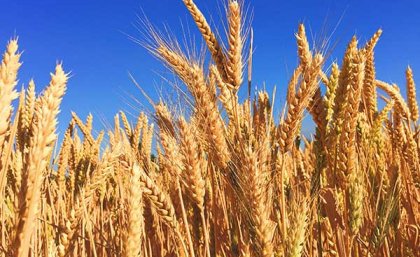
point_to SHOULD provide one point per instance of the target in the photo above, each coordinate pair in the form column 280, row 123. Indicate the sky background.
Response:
column 90, row 37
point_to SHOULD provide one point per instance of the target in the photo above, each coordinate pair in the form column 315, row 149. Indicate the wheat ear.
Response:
column 234, row 64
column 347, row 156
column 296, row 237
column 193, row 162
column 400, row 104
column 213, row 45
column 304, row 53
column 289, row 128
column 411, row 95
column 8, row 72
column 132, row 243
column 37, row 159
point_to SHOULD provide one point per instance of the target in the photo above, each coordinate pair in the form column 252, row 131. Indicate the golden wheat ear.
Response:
column 8, row 79
column 41, row 145
column 234, row 64
column 213, row 45
column 369, row 87
column 394, row 92
column 133, row 237
column 296, row 105
column 411, row 95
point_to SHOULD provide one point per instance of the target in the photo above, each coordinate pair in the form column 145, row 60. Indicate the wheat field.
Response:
column 221, row 176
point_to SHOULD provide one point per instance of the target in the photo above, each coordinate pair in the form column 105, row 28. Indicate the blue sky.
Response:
column 90, row 38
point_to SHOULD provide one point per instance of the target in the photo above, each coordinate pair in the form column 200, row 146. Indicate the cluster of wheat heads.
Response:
column 223, row 178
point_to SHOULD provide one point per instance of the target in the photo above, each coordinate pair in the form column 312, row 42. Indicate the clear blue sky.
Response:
column 89, row 37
